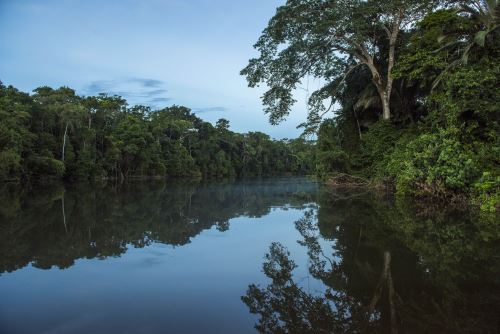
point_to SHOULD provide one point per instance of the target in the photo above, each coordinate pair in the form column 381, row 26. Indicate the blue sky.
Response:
column 156, row 52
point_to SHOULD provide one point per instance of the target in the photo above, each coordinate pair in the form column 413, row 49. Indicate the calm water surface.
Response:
column 271, row 255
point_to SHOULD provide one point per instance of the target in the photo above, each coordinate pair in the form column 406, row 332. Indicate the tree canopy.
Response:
column 55, row 133
column 328, row 39
column 409, row 92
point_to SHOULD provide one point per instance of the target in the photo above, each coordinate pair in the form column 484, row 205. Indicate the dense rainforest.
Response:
column 55, row 134
column 408, row 91
column 408, row 97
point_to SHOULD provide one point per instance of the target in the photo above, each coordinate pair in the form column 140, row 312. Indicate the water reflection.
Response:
column 386, row 269
column 58, row 225
column 376, row 265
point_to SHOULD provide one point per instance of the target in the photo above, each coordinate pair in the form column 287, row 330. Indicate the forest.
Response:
column 56, row 134
column 382, row 216
column 408, row 92
column 408, row 100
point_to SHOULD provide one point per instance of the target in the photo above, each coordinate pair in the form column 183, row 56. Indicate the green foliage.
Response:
column 377, row 144
column 469, row 99
column 423, row 59
column 55, row 133
column 328, row 39
column 10, row 164
column 445, row 141
column 487, row 192
column 331, row 156
column 434, row 162
column 42, row 167
column 459, row 152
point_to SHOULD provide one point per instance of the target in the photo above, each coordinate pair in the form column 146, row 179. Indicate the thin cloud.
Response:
column 97, row 87
column 144, row 94
column 105, row 86
column 209, row 109
column 149, row 82
column 159, row 99
column 137, row 90
column 155, row 92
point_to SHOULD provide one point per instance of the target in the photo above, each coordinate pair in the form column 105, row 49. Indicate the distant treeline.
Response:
column 54, row 133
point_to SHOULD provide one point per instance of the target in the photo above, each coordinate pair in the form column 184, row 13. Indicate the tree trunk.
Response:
column 386, row 98
column 386, row 109
column 384, row 86
column 383, row 89
column 64, row 141
column 357, row 123
column 393, row 36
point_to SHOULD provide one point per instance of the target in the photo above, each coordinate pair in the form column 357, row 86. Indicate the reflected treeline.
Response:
column 387, row 268
column 57, row 225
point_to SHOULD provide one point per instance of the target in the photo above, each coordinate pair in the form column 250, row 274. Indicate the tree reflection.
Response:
column 386, row 269
column 285, row 308
column 57, row 225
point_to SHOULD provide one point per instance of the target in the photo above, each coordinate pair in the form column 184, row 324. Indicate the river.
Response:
column 275, row 255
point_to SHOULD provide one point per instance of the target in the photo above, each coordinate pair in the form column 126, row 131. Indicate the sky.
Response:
column 152, row 52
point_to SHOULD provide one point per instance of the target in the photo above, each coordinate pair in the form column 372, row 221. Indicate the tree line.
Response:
column 54, row 134
column 410, row 90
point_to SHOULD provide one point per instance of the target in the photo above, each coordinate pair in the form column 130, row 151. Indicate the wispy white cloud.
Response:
column 209, row 109
column 136, row 90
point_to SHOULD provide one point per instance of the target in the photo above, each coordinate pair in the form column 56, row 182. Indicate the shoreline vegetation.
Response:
column 407, row 92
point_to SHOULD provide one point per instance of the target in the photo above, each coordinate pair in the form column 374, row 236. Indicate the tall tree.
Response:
column 327, row 39
column 71, row 115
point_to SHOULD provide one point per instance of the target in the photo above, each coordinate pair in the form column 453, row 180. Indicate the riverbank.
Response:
column 430, row 197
